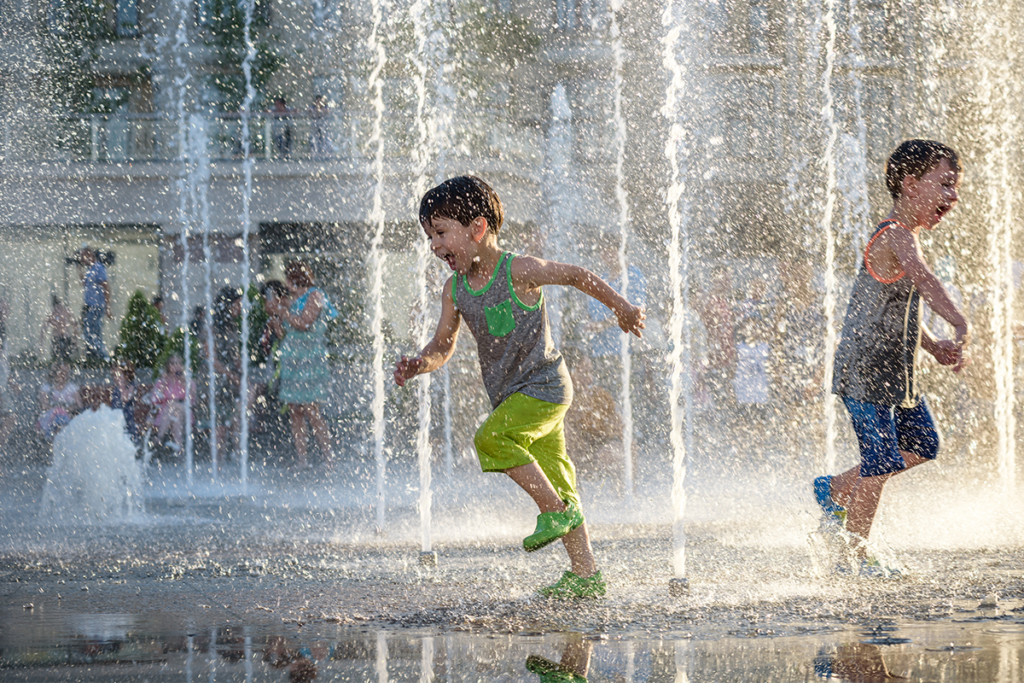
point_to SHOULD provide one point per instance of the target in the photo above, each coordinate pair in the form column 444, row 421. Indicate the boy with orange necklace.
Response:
column 874, row 364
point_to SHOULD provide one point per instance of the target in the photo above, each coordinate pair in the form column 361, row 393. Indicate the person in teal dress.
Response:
column 305, row 373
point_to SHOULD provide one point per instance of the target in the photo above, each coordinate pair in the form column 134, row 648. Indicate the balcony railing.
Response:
column 105, row 138
column 338, row 136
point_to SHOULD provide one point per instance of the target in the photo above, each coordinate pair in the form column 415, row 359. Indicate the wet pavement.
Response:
column 291, row 576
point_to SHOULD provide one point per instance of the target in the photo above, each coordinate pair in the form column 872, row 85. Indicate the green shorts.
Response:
column 523, row 430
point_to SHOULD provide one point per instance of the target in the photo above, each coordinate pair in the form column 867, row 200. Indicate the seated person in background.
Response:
column 63, row 329
column 593, row 426
column 168, row 397
column 59, row 400
column 122, row 397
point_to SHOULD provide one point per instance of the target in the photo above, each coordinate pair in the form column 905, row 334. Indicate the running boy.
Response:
column 874, row 364
column 499, row 296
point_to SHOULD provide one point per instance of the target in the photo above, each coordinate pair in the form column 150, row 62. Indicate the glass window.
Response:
column 327, row 14
column 58, row 17
column 759, row 27
column 574, row 15
column 126, row 14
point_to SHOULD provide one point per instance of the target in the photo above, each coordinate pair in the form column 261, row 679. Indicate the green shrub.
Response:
column 142, row 338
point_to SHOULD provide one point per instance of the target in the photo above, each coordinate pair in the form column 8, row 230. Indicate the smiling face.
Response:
column 453, row 242
column 934, row 194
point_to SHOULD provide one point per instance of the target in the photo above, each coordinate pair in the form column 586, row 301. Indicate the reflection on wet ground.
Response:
column 291, row 578
column 81, row 647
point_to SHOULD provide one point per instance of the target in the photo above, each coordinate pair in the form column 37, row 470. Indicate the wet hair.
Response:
column 276, row 286
column 463, row 199
column 157, row 301
column 226, row 297
column 54, row 300
column 916, row 157
column 299, row 273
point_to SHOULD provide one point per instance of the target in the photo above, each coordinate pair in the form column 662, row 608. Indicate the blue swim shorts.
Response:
column 884, row 431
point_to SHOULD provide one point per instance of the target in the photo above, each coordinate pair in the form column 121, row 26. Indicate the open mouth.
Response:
column 450, row 260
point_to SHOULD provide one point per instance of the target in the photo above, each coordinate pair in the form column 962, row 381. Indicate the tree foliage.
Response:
column 73, row 33
column 225, row 25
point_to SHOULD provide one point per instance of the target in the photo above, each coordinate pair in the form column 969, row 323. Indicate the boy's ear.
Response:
column 479, row 228
column 908, row 187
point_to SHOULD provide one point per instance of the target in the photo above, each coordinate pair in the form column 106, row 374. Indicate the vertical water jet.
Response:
column 377, row 256
column 828, row 164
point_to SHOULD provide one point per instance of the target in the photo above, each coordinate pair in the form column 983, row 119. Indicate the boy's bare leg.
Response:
column 860, row 514
column 576, row 655
column 531, row 478
column 862, row 503
column 844, row 484
column 581, row 556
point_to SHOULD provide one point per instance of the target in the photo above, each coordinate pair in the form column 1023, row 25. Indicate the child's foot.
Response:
column 832, row 513
column 871, row 568
column 551, row 526
column 573, row 586
column 551, row 672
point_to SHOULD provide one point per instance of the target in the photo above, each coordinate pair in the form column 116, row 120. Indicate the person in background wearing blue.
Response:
column 305, row 371
column 122, row 397
column 96, row 302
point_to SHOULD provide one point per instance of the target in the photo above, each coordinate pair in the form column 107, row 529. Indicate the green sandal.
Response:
column 551, row 672
column 573, row 586
column 551, row 526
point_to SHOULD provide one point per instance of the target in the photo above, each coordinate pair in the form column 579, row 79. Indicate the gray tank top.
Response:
column 513, row 340
column 881, row 334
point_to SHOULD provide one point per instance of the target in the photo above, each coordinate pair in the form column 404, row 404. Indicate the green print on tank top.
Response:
column 500, row 320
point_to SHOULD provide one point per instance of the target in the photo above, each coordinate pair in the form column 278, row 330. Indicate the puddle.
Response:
column 124, row 647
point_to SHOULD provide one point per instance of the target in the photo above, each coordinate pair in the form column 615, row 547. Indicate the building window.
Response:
column 206, row 10
column 126, row 16
column 58, row 18
column 759, row 27
column 327, row 14
column 877, row 29
column 574, row 15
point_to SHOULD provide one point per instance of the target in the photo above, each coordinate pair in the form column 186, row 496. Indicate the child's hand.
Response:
column 631, row 319
column 948, row 352
column 406, row 369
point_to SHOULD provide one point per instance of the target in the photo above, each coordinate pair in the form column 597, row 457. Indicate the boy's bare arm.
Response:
column 439, row 349
column 908, row 252
column 531, row 273
column 946, row 351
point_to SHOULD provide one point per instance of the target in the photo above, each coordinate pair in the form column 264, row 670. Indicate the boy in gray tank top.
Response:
column 874, row 364
column 499, row 296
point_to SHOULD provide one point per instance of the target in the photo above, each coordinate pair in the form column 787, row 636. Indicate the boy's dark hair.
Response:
column 916, row 157
column 276, row 286
column 463, row 199
column 300, row 273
